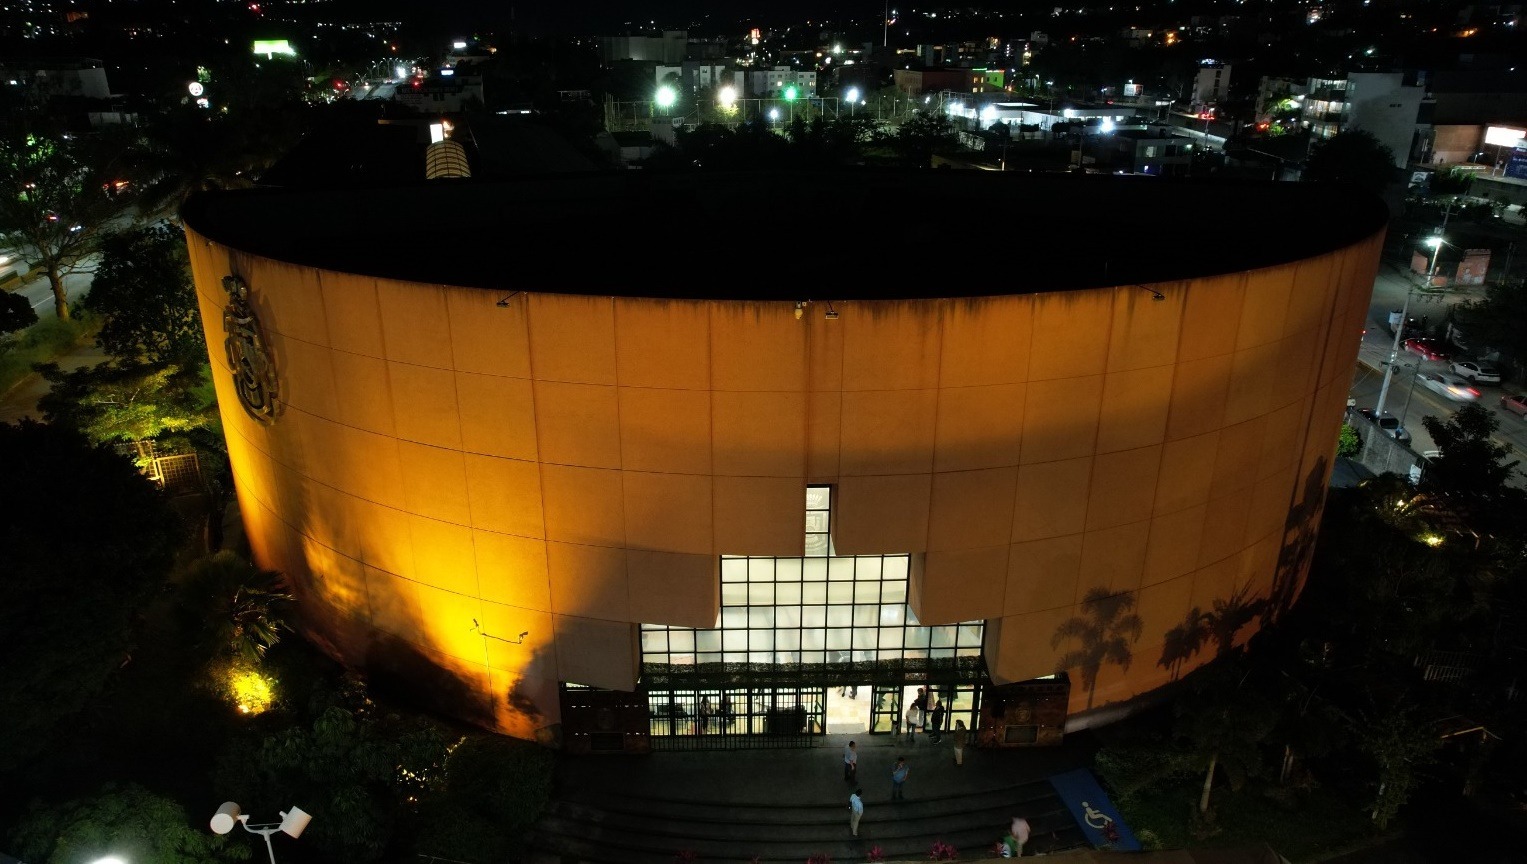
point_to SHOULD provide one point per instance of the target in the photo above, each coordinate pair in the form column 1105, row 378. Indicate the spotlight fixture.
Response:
column 831, row 314
column 1155, row 295
column 504, row 302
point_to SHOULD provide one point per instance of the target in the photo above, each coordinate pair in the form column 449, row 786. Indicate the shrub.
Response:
column 941, row 851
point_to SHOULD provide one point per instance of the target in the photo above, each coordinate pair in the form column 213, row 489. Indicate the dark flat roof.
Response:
column 789, row 235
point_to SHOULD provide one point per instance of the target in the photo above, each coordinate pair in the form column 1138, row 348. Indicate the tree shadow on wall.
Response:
column 1219, row 625
column 398, row 669
column 1183, row 642
column 1103, row 633
column 1299, row 532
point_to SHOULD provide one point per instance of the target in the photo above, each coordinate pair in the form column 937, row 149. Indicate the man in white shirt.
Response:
column 855, row 811
column 850, row 762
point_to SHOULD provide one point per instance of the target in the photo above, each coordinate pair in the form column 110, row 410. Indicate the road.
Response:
column 1411, row 402
column 40, row 294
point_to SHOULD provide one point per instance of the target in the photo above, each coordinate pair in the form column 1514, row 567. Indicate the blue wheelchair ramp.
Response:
column 1094, row 813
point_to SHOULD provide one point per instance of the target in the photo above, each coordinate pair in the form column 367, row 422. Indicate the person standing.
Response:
column 855, row 811
column 961, row 736
column 937, row 726
column 899, row 774
column 850, row 762
column 914, row 718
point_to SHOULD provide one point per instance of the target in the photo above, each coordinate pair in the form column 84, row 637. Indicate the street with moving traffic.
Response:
column 1408, row 398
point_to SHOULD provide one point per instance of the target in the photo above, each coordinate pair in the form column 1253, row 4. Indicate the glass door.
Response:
column 885, row 709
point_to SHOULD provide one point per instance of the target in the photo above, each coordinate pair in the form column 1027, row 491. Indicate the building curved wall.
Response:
column 448, row 473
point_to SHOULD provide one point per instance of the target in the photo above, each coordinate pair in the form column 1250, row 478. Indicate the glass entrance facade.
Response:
column 822, row 620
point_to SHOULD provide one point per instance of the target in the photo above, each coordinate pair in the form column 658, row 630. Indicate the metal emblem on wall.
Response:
column 254, row 375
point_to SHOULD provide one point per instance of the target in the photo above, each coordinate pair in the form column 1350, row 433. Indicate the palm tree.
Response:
column 1104, row 632
column 239, row 608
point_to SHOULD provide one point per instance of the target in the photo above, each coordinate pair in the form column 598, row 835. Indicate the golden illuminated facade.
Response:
column 488, row 490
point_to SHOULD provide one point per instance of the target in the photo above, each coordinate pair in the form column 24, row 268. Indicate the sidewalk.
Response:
column 20, row 401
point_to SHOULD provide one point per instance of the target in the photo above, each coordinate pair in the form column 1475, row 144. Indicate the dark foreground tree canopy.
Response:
column 85, row 538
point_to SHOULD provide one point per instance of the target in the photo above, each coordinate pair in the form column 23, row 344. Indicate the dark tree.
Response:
column 1355, row 156
column 922, row 135
column 15, row 313
column 1472, row 463
column 142, row 290
column 127, row 820
column 1494, row 320
column 61, row 198
column 85, row 541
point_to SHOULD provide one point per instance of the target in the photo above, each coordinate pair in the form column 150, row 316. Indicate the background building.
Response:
column 555, row 457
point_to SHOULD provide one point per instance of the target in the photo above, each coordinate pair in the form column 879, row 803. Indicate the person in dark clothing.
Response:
column 936, row 728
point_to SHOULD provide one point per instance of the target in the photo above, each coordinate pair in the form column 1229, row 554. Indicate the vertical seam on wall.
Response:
column 535, row 417
column 625, row 563
column 487, row 658
column 1092, row 462
column 1182, row 314
column 710, row 441
column 940, row 307
column 392, row 411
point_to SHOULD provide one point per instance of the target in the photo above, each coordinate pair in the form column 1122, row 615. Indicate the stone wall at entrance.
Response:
column 481, row 493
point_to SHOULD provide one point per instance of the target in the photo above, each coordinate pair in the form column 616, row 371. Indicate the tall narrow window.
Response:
column 818, row 521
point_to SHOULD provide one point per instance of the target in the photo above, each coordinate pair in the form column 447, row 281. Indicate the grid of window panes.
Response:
column 811, row 610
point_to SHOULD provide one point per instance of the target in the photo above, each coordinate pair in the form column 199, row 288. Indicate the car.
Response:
column 1451, row 386
column 1514, row 404
column 1429, row 349
column 1388, row 424
column 1475, row 371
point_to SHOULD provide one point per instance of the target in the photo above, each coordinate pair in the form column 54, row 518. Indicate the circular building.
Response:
column 653, row 458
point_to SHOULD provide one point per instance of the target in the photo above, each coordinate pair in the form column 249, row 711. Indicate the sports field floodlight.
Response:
column 109, row 859
column 727, row 97
column 293, row 823
column 666, row 96
column 852, row 94
column 791, row 93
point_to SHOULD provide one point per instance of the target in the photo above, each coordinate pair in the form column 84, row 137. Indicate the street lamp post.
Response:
column 292, row 824
column 1436, row 243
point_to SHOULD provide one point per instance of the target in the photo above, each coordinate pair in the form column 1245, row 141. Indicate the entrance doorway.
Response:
column 848, row 710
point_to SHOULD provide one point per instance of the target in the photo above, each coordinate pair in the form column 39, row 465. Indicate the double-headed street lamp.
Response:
column 292, row 823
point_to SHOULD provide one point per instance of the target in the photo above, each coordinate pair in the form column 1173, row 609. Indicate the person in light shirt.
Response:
column 850, row 762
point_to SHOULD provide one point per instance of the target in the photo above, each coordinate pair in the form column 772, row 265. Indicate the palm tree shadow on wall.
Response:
column 1219, row 625
column 1183, row 642
column 1299, row 532
column 1102, row 633
column 400, row 670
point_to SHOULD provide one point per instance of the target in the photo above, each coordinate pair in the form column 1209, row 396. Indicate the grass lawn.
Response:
column 39, row 343
column 1302, row 825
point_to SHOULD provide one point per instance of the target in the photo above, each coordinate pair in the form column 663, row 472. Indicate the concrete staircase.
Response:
column 603, row 823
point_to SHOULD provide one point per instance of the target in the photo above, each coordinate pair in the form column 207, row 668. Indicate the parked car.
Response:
column 1476, row 371
column 1451, row 386
column 1429, row 349
column 1514, row 404
column 1388, row 424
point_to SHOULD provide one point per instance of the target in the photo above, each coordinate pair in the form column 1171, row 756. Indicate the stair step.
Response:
column 828, row 825
column 973, row 844
column 805, row 812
